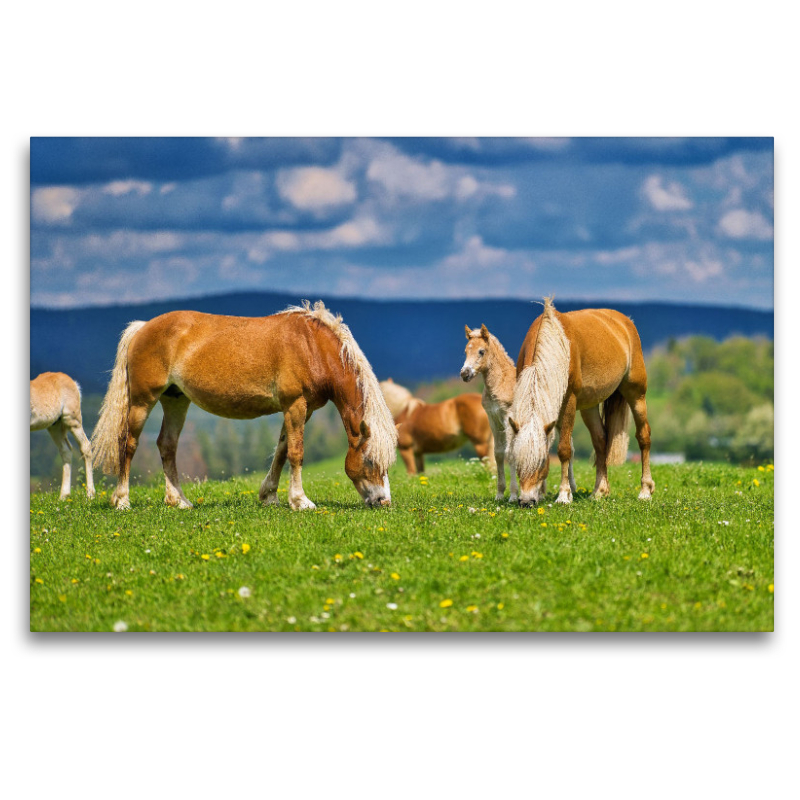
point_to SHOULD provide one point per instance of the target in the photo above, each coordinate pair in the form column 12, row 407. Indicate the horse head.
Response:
column 371, row 482
column 528, row 448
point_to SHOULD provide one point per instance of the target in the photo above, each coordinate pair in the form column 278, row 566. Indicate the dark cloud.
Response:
column 78, row 161
column 587, row 150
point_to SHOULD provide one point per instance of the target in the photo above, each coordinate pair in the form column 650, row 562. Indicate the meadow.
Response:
column 444, row 557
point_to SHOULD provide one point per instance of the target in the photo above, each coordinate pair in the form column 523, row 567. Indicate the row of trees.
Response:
column 706, row 399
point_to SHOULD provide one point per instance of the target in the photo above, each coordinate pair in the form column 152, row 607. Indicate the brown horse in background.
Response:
column 56, row 406
column 576, row 362
column 293, row 362
column 440, row 427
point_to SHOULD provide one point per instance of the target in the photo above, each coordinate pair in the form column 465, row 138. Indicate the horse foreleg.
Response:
column 175, row 409
column 268, row 493
column 407, row 454
column 565, row 452
column 295, row 419
column 137, row 416
column 86, row 452
column 419, row 462
column 593, row 421
column 58, row 432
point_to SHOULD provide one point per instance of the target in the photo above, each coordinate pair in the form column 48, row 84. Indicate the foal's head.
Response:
column 477, row 351
column 371, row 481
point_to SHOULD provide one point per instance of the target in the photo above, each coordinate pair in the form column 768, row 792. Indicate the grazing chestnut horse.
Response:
column 440, row 427
column 574, row 362
column 293, row 362
column 486, row 356
column 56, row 405
column 396, row 396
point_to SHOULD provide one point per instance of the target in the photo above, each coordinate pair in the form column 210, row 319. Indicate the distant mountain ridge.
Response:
column 411, row 341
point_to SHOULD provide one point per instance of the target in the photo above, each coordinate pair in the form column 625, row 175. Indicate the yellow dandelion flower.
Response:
column 38, row 580
column 626, row 558
column 472, row 609
column 770, row 467
column 357, row 554
column 760, row 468
column 245, row 548
column 129, row 593
column 501, row 606
column 314, row 566
column 395, row 576
column 464, row 558
column 543, row 524
column 476, row 554
column 325, row 607
column 329, row 601
column 205, row 556
column 444, row 604
column 756, row 482
column 540, row 511
column 381, row 529
column 74, row 580
column 219, row 554
column 771, row 588
column 698, row 605
column 504, row 535
column 645, row 555
column 62, row 598
column 37, row 549
column 337, row 558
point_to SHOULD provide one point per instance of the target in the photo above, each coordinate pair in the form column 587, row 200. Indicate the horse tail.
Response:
column 110, row 436
column 616, row 421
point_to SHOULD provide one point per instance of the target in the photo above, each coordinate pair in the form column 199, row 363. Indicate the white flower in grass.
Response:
column 120, row 626
column 244, row 592
column 392, row 606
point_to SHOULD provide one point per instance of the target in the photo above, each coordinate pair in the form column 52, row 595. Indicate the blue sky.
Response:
column 593, row 219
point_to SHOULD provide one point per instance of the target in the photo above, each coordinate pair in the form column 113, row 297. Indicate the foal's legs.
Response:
column 58, row 432
column 499, row 460
column 593, row 421
column 566, row 452
column 72, row 421
column 175, row 409
column 295, row 419
column 268, row 493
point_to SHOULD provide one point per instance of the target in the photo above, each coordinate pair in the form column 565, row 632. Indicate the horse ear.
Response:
column 485, row 332
column 549, row 427
column 365, row 431
column 467, row 329
column 513, row 424
column 389, row 380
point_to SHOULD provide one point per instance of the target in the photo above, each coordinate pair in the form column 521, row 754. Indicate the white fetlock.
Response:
column 498, row 498
column 564, row 497
column 645, row 494
column 301, row 504
column 270, row 499
column 513, row 499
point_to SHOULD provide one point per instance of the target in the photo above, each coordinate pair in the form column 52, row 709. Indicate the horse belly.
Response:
column 233, row 402
column 442, row 443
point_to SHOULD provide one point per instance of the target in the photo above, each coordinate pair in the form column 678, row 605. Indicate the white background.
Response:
column 396, row 716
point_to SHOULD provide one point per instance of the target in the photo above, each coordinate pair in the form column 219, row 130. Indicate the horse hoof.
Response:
column 645, row 495
column 499, row 497
column 90, row 495
column 303, row 504
column 513, row 500
column 564, row 498
column 122, row 505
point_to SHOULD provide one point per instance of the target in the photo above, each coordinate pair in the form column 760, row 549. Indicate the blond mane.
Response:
column 380, row 447
column 540, row 388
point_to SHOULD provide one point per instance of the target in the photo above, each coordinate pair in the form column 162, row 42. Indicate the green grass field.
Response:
column 444, row 557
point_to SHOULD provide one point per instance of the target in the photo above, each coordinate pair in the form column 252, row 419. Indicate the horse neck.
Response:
column 348, row 398
column 501, row 374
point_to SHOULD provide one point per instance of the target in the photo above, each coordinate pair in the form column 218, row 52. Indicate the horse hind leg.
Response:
column 175, row 409
column 76, row 428
column 268, row 493
column 58, row 433
column 137, row 416
column 639, row 409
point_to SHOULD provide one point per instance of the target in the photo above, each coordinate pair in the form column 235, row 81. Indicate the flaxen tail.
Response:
column 616, row 420
column 110, row 435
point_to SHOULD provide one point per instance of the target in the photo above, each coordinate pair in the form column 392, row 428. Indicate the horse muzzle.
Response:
column 467, row 374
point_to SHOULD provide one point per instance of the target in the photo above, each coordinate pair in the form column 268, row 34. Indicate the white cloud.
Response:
column 402, row 176
column 741, row 224
column 666, row 198
column 54, row 204
column 315, row 188
column 120, row 188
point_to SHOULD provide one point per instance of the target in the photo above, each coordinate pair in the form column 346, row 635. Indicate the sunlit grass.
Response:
column 444, row 557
